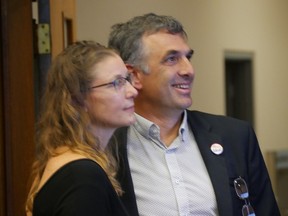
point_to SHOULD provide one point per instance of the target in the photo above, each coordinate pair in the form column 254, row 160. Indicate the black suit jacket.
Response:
column 241, row 157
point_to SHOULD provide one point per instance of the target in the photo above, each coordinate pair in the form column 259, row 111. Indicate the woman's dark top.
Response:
column 80, row 188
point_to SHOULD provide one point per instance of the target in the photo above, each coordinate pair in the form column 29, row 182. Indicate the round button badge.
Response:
column 216, row 148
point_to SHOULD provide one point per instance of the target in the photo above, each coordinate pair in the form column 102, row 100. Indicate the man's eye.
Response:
column 189, row 57
column 171, row 59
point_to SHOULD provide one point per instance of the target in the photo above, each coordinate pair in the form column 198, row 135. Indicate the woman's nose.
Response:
column 130, row 90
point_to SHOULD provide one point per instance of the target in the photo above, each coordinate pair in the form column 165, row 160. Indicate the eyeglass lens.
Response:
column 121, row 81
column 247, row 210
column 241, row 188
column 242, row 192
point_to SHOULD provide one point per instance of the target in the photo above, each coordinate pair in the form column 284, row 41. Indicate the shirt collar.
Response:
column 148, row 129
column 144, row 126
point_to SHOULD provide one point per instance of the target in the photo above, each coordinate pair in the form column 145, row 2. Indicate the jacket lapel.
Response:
column 215, row 164
column 123, row 174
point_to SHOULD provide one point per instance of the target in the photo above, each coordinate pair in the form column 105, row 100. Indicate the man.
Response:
column 174, row 161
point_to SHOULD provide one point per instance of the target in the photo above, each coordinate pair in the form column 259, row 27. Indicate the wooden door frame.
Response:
column 2, row 155
column 17, row 104
column 63, row 17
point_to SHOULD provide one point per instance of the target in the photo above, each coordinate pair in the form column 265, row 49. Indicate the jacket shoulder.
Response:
column 202, row 117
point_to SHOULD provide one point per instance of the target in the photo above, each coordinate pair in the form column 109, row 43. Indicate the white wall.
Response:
column 213, row 26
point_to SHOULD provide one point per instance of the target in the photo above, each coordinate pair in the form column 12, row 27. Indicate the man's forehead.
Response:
column 164, row 39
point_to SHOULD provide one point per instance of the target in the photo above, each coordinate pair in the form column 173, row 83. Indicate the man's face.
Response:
column 168, row 84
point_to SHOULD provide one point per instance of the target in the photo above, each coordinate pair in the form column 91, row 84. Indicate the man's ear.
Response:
column 136, row 76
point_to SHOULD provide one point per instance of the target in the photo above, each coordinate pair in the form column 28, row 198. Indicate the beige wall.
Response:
column 213, row 26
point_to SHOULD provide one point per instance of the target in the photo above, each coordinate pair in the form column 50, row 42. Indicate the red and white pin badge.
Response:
column 216, row 148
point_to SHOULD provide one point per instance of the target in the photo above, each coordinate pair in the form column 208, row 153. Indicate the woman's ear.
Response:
column 83, row 103
column 85, row 106
column 135, row 76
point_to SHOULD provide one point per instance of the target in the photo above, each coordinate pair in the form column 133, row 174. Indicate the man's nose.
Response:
column 186, row 67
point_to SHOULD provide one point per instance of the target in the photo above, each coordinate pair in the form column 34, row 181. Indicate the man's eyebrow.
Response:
column 175, row 52
column 172, row 52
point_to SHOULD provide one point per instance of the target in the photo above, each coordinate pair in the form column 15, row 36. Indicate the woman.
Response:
column 86, row 98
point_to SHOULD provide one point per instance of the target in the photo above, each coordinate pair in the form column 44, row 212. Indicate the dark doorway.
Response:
column 239, row 86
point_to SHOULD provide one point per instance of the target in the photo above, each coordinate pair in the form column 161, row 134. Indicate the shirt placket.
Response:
column 177, row 182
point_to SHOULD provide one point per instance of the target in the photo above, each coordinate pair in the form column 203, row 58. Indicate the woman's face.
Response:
column 111, row 106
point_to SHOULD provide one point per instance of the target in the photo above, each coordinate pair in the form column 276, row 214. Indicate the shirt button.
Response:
column 154, row 132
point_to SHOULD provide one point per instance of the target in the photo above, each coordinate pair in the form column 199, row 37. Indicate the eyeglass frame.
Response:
column 114, row 82
column 239, row 183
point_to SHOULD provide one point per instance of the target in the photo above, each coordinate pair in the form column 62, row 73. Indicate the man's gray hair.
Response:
column 126, row 37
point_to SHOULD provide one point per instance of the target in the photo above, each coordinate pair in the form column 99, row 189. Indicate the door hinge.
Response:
column 43, row 31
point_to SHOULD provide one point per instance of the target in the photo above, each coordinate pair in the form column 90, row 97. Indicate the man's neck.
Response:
column 169, row 125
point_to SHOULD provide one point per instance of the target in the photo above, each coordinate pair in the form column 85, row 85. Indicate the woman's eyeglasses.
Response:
column 118, row 83
column 242, row 192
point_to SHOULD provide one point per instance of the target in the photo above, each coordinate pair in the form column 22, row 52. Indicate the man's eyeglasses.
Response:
column 242, row 192
column 118, row 83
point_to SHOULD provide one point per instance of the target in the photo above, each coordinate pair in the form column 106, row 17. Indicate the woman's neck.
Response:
column 102, row 134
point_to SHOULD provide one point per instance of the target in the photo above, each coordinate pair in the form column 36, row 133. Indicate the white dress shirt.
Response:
column 168, row 181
